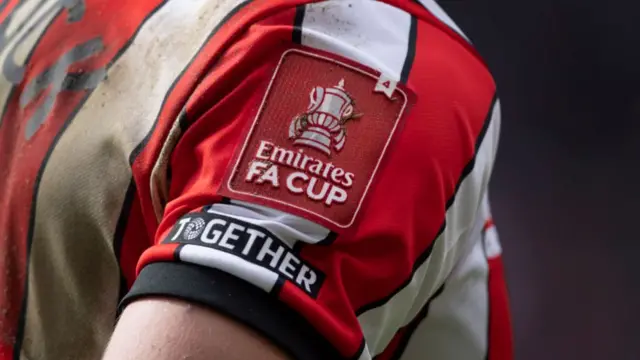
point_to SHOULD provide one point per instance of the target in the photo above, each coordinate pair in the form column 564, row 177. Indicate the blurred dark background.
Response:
column 565, row 190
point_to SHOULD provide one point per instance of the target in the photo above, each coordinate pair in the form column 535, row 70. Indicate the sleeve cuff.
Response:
column 237, row 299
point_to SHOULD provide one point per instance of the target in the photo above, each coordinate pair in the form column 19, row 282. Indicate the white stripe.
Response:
column 288, row 228
column 232, row 264
column 372, row 33
column 439, row 13
column 83, row 187
column 138, row 81
column 456, row 325
column 365, row 355
column 380, row 324
column 319, row 129
column 492, row 247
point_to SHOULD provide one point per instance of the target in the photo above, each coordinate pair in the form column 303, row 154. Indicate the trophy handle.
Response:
column 315, row 96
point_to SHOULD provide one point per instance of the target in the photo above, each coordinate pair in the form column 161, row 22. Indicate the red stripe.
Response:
column 345, row 339
column 9, row 6
column 393, row 346
column 134, row 241
column 488, row 224
column 158, row 253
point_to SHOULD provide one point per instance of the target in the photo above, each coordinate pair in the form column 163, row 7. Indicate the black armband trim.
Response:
column 237, row 299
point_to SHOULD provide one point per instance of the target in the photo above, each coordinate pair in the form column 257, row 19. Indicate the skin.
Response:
column 171, row 329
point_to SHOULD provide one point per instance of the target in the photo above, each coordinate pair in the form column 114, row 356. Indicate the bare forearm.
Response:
column 167, row 329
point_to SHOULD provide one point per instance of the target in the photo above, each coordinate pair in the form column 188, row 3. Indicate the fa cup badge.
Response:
column 323, row 125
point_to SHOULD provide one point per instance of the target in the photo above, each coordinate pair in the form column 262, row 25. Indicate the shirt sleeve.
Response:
column 312, row 178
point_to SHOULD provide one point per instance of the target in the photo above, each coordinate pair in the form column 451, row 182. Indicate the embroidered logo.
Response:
column 298, row 156
column 323, row 125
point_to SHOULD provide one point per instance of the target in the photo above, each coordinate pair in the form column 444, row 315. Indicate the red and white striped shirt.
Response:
column 315, row 169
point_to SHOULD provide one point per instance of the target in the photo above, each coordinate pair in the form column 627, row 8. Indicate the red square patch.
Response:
column 318, row 139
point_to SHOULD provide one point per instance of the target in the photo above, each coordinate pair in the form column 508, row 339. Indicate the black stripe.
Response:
column 297, row 24
column 277, row 287
column 411, row 328
column 297, row 247
column 224, row 200
column 458, row 33
column 469, row 168
column 331, row 237
column 36, row 188
column 238, row 299
column 118, row 236
column 425, row 255
column 176, row 252
column 169, row 179
column 182, row 123
column 411, row 50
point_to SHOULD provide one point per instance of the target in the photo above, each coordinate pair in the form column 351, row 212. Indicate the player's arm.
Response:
column 263, row 243
column 168, row 329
